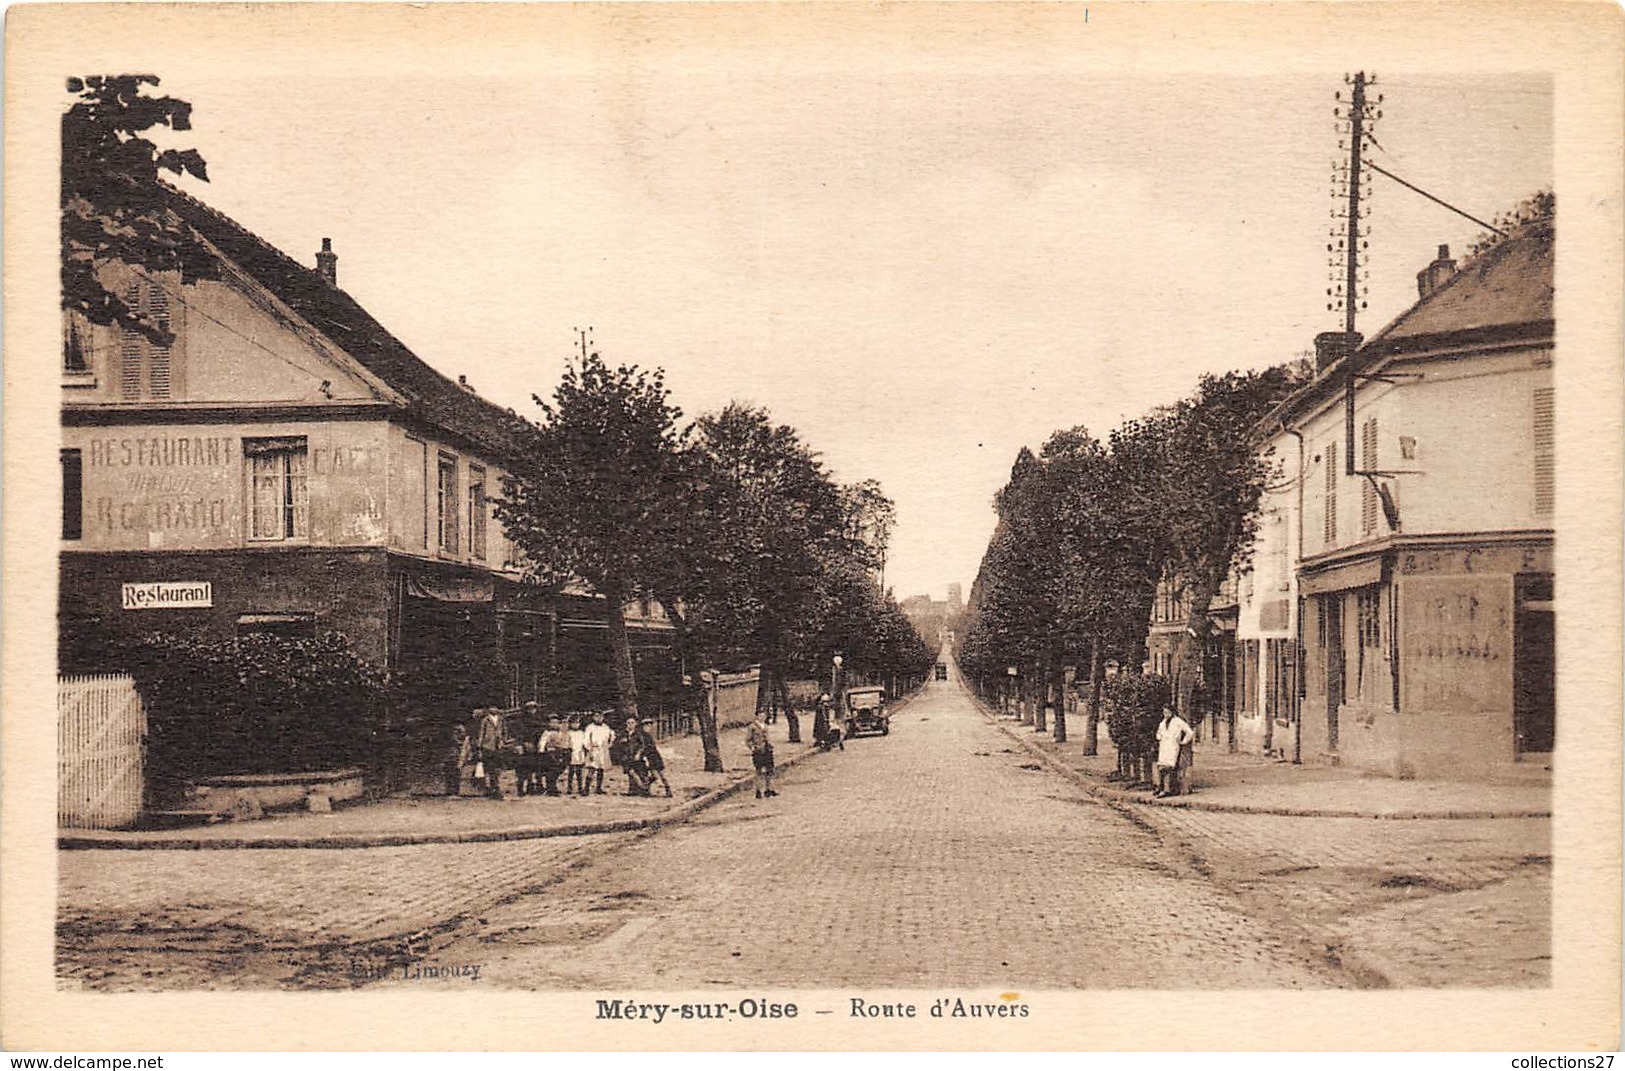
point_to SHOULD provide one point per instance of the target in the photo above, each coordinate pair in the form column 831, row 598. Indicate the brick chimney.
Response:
column 1333, row 346
column 327, row 262
column 1436, row 274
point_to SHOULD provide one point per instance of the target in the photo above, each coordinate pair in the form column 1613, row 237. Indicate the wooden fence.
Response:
column 100, row 730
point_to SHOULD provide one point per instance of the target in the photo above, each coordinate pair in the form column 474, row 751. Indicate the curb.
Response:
column 1115, row 795
column 678, row 813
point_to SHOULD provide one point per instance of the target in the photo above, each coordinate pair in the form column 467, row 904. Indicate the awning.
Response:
column 1356, row 574
column 451, row 588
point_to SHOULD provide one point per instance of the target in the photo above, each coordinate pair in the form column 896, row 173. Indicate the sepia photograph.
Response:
column 683, row 508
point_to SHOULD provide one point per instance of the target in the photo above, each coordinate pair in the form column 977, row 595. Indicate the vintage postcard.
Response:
column 778, row 526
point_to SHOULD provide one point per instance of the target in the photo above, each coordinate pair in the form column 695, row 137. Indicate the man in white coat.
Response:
column 1172, row 737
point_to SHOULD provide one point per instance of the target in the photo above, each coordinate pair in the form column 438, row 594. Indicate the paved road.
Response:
column 939, row 855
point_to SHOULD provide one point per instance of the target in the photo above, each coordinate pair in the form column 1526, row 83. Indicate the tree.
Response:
column 113, row 203
column 595, row 497
column 1209, row 481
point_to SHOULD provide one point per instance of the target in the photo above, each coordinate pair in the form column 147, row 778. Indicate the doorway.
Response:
column 1534, row 666
column 1331, row 639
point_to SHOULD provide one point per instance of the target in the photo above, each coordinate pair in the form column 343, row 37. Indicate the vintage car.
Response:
column 942, row 671
column 866, row 712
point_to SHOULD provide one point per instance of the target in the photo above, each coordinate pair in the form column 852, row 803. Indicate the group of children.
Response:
column 578, row 748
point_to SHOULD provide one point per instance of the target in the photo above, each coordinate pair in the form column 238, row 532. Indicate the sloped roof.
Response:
column 1505, row 294
column 432, row 397
column 1506, row 288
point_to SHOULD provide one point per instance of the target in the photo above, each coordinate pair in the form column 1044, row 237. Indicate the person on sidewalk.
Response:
column 599, row 738
column 528, row 728
column 1174, row 736
column 490, row 749
column 635, row 759
column 652, row 755
column 576, row 785
column 761, row 756
column 459, row 753
column 554, row 748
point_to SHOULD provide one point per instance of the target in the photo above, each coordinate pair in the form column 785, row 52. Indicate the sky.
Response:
column 920, row 267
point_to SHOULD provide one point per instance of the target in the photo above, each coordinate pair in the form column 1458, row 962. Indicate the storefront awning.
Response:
column 1356, row 574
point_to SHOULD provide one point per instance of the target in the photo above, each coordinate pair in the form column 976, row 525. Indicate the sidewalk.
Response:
column 433, row 819
column 1252, row 784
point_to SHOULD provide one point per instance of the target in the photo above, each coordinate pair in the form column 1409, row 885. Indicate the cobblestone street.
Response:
column 942, row 854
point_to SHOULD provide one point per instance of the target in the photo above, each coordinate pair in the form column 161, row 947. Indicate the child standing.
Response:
column 576, row 783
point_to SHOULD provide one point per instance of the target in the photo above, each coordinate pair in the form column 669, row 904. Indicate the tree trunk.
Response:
column 781, row 691
column 620, row 651
column 698, row 692
column 1187, row 660
column 1058, row 686
column 1091, row 732
column 1041, row 694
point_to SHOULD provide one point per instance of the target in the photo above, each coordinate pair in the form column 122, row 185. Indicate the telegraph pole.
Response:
column 1356, row 137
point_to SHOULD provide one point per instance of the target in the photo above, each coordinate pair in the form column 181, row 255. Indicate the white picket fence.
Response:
column 100, row 729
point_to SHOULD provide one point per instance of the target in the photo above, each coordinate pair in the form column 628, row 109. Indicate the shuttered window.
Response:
column 1368, row 490
column 1545, row 453
column 144, row 365
column 1330, row 526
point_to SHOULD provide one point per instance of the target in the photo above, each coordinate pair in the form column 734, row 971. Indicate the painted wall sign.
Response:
column 168, row 595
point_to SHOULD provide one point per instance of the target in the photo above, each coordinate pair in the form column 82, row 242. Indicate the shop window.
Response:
column 278, row 499
column 448, row 541
column 144, row 365
column 476, row 511
column 1545, row 453
column 1368, row 616
column 73, row 494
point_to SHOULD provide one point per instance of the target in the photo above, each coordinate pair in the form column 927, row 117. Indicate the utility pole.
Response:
column 1356, row 137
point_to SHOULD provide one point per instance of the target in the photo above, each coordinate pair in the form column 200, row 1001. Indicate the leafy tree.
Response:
column 113, row 204
column 596, row 496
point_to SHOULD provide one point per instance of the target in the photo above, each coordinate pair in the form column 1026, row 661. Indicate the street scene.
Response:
column 942, row 547
column 946, row 853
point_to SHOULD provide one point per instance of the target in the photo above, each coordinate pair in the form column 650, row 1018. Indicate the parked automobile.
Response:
column 866, row 712
column 942, row 671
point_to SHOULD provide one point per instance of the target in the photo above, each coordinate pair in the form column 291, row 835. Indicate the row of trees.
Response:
column 731, row 522
column 1087, row 528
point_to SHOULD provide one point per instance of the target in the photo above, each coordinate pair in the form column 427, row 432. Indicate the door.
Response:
column 1534, row 677
column 1331, row 626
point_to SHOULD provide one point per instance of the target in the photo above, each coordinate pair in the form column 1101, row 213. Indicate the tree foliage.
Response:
column 256, row 704
column 113, row 204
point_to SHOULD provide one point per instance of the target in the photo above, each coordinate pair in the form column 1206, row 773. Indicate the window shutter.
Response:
column 1545, row 453
column 129, row 352
column 1330, row 528
column 1368, row 490
column 158, row 356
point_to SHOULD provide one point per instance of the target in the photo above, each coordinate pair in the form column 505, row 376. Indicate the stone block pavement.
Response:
column 1404, row 883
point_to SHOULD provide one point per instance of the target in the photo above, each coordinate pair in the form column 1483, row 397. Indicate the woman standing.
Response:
column 761, row 756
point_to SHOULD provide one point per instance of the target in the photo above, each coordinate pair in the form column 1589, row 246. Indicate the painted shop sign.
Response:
column 169, row 595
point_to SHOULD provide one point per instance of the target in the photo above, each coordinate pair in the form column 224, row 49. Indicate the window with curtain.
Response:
column 476, row 511
column 448, row 498
column 278, row 498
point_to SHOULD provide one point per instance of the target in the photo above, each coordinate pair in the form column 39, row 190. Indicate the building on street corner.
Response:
column 1397, row 611
column 286, row 465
